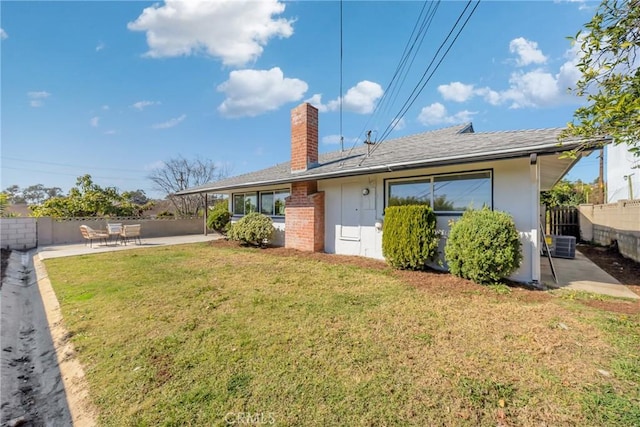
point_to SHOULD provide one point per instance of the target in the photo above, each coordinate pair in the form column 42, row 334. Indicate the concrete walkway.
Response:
column 57, row 251
column 581, row 274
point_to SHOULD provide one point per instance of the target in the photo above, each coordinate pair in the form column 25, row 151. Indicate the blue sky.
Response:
column 113, row 89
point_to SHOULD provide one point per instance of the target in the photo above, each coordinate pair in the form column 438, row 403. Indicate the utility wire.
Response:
column 425, row 79
column 414, row 42
column 66, row 165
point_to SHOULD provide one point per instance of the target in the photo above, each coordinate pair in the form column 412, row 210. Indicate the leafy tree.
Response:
column 14, row 195
column 567, row 193
column 34, row 194
column 610, row 68
column 88, row 199
column 137, row 196
column 179, row 174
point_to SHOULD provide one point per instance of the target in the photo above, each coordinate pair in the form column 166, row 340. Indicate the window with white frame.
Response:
column 451, row 193
column 269, row 202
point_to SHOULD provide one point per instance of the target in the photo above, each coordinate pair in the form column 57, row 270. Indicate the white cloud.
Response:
column 254, row 92
column 105, row 107
column 95, row 121
column 110, row 132
column 361, row 99
column 36, row 98
column 141, row 105
column 316, row 101
column 235, row 31
column 100, row 46
column 527, row 51
column 436, row 114
column 456, row 91
column 3, row 34
column 170, row 123
column 535, row 88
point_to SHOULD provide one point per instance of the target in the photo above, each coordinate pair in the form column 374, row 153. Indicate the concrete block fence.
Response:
column 619, row 222
column 29, row 233
column 18, row 233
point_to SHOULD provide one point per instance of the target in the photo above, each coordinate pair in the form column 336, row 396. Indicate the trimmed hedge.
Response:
column 409, row 238
column 253, row 228
column 483, row 246
column 219, row 217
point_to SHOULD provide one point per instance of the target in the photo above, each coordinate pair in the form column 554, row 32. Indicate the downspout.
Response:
column 534, row 172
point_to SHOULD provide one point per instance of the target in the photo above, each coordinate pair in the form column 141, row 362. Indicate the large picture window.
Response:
column 270, row 202
column 452, row 193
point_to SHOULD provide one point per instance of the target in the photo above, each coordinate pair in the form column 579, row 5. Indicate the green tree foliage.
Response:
column 610, row 68
column 567, row 193
column 219, row 216
column 88, row 199
column 410, row 238
column 254, row 228
column 483, row 246
column 33, row 194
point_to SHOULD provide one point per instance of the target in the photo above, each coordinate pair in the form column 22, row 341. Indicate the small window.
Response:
column 272, row 202
column 244, row 203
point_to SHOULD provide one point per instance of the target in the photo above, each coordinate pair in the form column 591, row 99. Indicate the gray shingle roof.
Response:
column 452, row 145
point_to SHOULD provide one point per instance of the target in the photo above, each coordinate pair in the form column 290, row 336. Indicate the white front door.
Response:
column 351, row 207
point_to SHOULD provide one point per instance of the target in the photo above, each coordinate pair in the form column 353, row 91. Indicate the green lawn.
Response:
column 200, row 334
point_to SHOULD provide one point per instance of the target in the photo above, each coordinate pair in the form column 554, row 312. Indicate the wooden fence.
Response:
column 564, row 221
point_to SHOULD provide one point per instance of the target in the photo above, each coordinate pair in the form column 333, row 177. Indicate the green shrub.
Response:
column 254, row 228
column 409, row 236
column 165, row 214
column 219, row 217
column 483, row 246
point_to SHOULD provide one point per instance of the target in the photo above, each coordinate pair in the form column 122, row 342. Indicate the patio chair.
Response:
column 114, row 230
column 131, row 232
column 90, row 234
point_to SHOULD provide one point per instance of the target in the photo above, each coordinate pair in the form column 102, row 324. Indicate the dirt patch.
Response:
column 438, row 282
column 625, row 270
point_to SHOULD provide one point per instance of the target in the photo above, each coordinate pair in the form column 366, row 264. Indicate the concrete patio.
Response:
column 57, row 251
column 581, row 274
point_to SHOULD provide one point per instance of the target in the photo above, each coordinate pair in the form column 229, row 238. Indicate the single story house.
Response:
column 335, row 202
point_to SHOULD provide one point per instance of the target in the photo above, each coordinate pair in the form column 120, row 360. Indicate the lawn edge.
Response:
column 71, row 370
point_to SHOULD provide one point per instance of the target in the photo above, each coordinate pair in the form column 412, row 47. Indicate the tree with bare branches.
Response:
column 178, row 174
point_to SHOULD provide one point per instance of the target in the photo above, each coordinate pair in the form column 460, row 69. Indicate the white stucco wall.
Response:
column 347, row 232
column 514, row 190
column 621, row 162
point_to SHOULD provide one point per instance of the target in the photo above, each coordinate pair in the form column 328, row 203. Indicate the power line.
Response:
column 426, row 76
column 411, row 49
column 67, row 165
column 417, row 90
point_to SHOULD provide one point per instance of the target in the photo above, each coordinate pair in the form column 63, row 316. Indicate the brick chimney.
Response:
column 304, row 137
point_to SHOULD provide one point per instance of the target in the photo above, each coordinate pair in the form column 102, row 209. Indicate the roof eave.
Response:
column 444, row 161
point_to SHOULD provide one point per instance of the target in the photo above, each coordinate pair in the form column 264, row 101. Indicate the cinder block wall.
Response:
column 18, row 233
column 620, row 222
